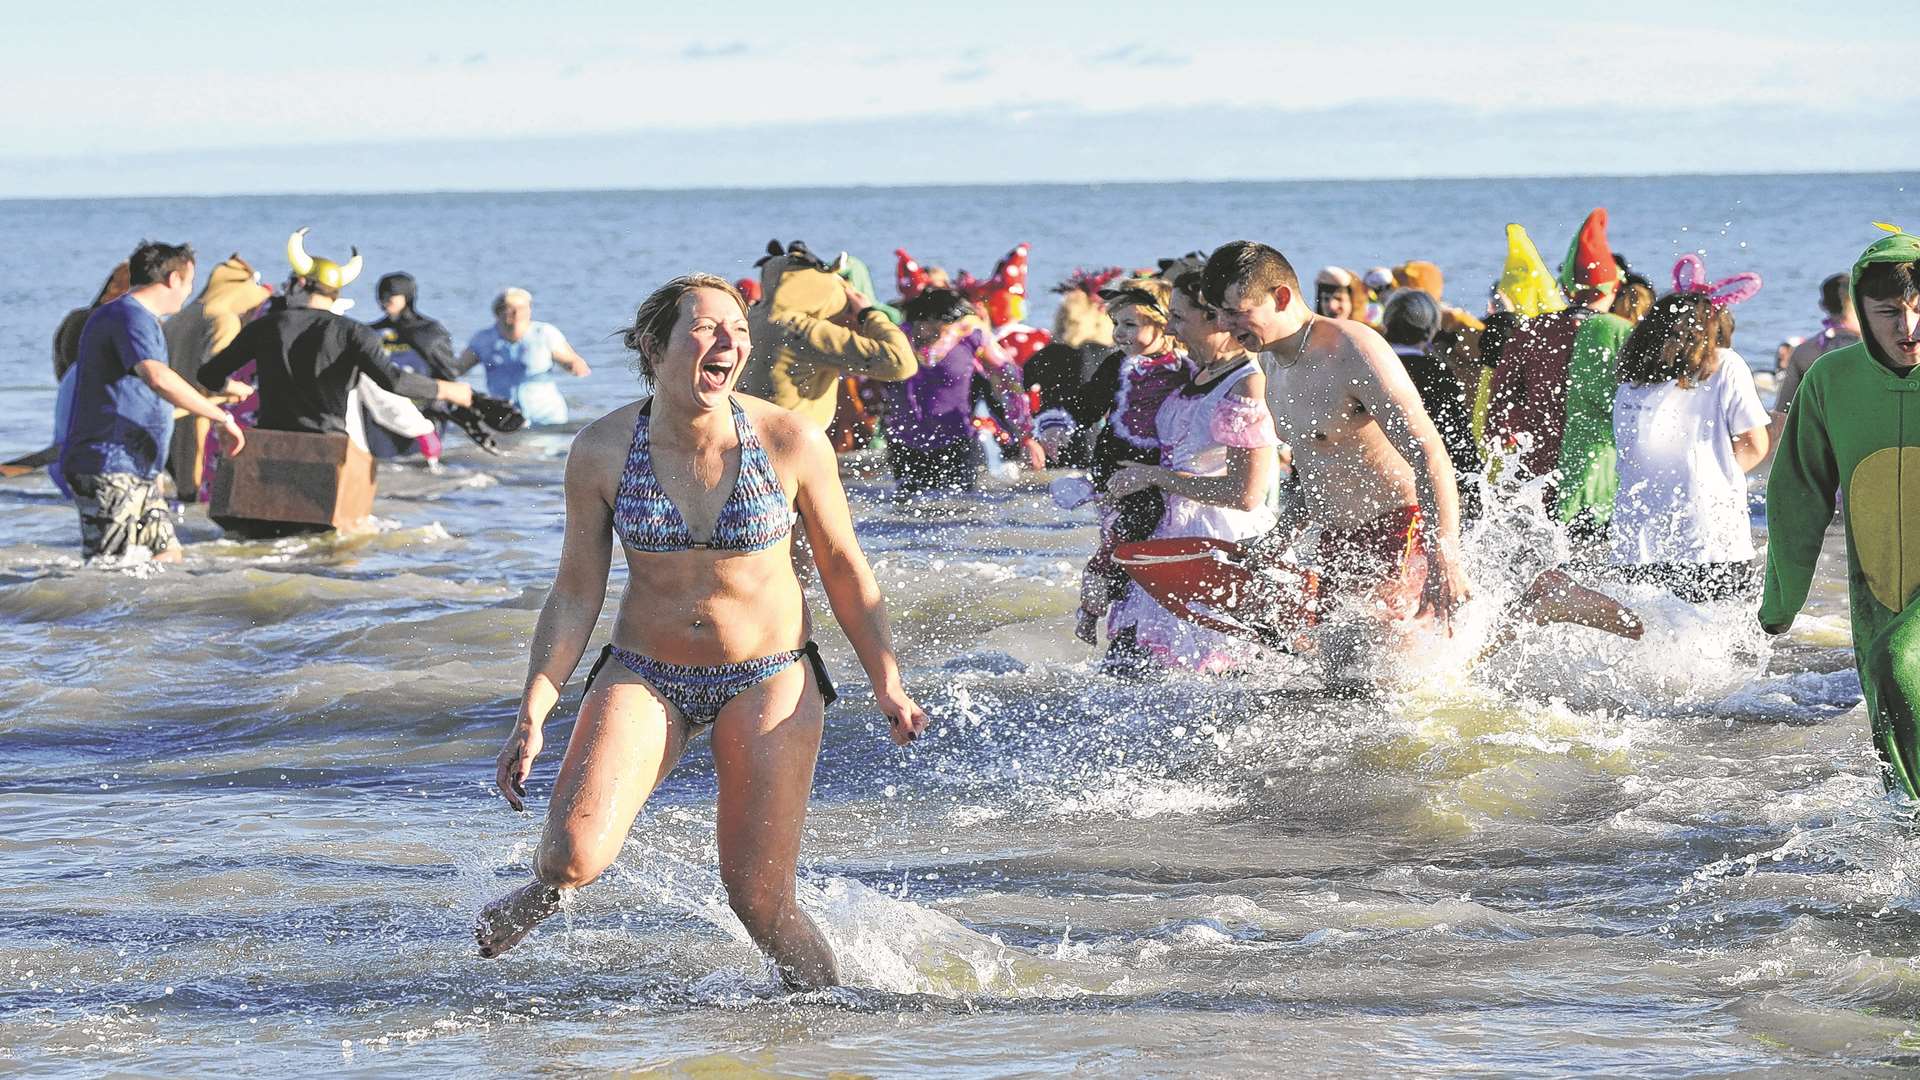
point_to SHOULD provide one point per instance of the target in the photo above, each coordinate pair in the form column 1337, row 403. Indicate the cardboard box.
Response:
column 283, row 479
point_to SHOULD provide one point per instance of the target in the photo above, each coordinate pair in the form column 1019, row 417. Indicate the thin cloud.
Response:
column 703, row 51
column 968, row 75
column 1138, row 55
column 475, row 59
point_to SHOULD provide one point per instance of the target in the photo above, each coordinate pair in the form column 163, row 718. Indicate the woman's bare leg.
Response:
column 764, row 746
column 626, row 741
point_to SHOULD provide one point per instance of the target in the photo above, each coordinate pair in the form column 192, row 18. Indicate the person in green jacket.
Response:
column 1587, row 458
column 1551, row 397
column 1853, row 431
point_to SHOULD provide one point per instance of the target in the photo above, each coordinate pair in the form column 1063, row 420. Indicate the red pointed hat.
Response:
column 1005, row 293
column 909, row 275
column 1590, row 262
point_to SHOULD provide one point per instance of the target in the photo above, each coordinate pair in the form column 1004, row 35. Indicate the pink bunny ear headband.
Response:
column 1690, row 275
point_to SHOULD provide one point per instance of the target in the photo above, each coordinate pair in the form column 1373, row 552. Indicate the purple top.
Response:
column 934, row 408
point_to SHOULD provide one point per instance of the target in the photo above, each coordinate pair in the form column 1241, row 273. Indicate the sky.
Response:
column 218, row 98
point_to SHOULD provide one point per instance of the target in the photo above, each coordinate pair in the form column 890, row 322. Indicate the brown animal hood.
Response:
column 791, row 286
column 232, row 290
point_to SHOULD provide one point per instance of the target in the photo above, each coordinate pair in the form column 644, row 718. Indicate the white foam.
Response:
column 1690, row 658
column 1142, row 798
column 1796, row 695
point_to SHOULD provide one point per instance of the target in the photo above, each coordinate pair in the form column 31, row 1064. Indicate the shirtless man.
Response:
column 1373, row 473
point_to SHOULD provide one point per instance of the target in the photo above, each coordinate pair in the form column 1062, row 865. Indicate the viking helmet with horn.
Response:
column 325, row 273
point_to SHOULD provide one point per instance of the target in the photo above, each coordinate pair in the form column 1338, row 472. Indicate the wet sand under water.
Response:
column 246, row 821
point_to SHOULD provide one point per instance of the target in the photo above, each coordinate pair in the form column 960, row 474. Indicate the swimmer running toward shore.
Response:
column 1372, row 468
column 1374, row 473
column 702, row 486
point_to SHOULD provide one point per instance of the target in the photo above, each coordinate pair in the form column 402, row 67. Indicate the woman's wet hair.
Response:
column 653, row 322
column 937, row 306
column 1678, row 341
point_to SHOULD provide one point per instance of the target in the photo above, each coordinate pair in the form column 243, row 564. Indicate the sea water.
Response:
column 246, row 814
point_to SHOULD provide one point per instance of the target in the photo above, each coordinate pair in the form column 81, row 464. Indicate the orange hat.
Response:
column 1423, row 275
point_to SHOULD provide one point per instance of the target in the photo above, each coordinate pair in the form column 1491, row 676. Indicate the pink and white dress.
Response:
column 1198, row 425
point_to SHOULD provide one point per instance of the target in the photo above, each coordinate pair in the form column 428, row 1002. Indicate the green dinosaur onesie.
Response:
column 1858, row 436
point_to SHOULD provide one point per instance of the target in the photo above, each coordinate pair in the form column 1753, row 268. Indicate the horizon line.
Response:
column 932, row 185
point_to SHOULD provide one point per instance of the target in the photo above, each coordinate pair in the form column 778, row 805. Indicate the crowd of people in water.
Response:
column 1269, row 458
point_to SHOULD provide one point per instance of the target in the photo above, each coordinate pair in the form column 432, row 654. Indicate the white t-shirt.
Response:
column 1682, row 497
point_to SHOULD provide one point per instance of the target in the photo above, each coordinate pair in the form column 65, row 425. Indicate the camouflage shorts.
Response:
column 119, row 511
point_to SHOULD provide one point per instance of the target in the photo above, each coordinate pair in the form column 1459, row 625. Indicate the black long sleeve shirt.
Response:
column 306, row 359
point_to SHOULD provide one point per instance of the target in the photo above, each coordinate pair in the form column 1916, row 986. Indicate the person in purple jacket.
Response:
column 931, row 444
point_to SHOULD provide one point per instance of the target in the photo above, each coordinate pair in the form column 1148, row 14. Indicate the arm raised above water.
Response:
column 573, row 606
column 873, row 347
column 1380, row 383
column 844, row 573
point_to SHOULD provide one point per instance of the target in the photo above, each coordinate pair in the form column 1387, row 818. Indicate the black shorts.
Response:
column 1696, row 583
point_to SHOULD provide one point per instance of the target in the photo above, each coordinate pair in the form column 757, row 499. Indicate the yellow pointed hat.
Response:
column 1525, row 280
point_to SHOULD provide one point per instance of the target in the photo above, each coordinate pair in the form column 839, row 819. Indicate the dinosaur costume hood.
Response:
column 1899, row 247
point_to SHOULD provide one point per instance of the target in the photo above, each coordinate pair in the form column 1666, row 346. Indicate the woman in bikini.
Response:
column 702, row 488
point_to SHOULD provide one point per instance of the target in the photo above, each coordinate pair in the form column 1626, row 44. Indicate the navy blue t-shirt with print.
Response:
column 118, row 424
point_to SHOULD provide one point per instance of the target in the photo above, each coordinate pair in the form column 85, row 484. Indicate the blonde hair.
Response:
column 658, row 312
column 509, row 296
column 1155, row 307
column 1081, row 320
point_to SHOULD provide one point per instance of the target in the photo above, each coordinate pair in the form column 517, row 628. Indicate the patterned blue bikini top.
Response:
column 755, row 516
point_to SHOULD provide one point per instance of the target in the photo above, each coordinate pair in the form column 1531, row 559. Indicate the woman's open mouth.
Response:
column 715, row 373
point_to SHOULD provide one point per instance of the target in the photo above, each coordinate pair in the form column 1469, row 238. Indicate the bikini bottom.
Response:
column 699, row 691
